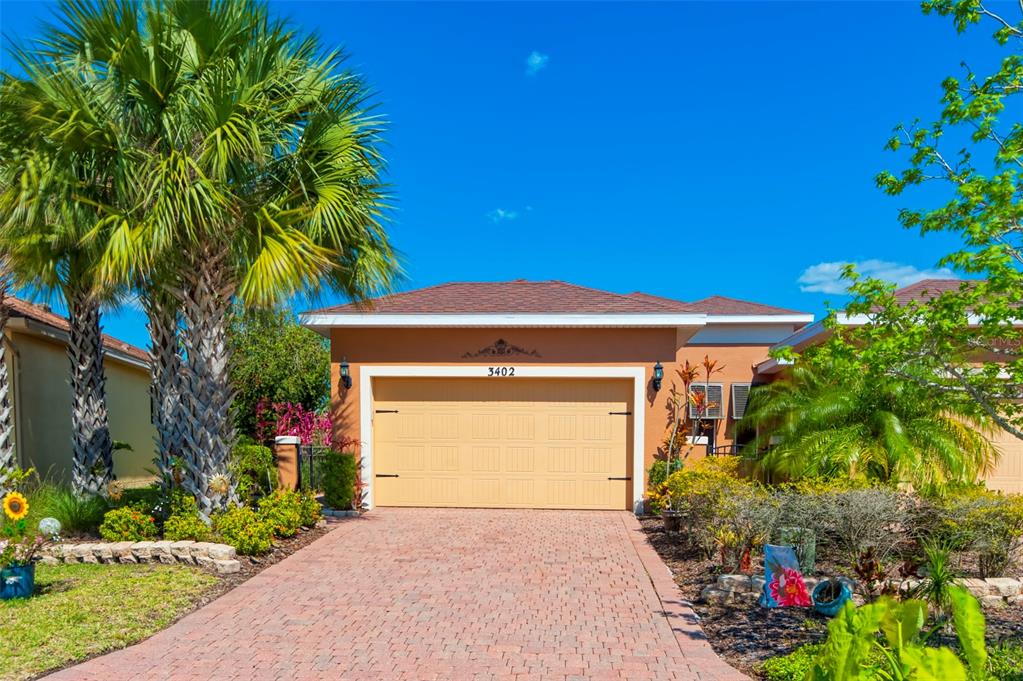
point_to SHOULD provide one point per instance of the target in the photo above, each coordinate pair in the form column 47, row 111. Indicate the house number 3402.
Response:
column 500, row 371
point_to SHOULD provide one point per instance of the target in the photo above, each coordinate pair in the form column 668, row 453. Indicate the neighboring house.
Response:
column 529, row 394
column 1007, row 475
column 36, row 340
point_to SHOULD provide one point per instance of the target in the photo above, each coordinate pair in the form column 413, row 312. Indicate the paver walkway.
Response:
column 442, row 594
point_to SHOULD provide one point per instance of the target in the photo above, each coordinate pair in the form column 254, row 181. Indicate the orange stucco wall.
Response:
column 560, row 347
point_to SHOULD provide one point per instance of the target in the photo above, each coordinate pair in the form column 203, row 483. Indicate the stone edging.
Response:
column 683, row 621
column 218, row 557
column 992, row 592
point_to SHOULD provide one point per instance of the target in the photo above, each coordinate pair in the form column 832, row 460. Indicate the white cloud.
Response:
column 826, row 277
column 536, row 62
column 502, row 214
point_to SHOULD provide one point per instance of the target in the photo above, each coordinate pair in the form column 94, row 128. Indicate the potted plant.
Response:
column 18, row 548
column 671, row 516
column 829, row 596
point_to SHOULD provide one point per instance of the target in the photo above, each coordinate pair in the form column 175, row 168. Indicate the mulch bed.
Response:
column 745, row 634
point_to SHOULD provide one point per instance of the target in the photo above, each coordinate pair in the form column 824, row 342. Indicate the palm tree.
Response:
column 8, row 459
column 165, row 361
column 822, row 422
column 53, row 182
column 244, row 149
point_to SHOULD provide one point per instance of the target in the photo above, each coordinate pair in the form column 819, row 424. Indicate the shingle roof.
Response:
column 43, row 315
column 723, row 305
column 540, row 297
column 927, row 289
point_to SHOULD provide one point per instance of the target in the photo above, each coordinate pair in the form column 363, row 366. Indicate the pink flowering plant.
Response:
column 289, row 418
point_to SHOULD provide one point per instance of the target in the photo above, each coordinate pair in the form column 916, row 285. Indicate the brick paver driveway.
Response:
column 442, row 594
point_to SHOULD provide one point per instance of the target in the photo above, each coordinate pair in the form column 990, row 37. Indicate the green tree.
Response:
column 50, row 186
column 829, row 419
column 244, row 155
column 965, row 341
column 274, row 359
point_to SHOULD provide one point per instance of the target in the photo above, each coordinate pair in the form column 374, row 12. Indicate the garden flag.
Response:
column 784, row 586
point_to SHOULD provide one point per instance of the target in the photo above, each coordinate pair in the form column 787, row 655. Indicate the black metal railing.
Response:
column 725, row 450
column 309, row 458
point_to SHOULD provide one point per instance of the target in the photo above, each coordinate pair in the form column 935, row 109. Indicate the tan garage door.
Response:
column 501, row 442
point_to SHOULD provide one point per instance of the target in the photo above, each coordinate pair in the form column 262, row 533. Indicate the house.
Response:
column 1008, row 473
column 36, row 351
column 530, row 393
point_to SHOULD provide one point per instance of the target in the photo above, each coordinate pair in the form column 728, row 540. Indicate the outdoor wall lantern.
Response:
column 658, row 376
column 346, row 378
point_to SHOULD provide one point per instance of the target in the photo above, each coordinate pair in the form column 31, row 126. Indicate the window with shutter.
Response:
column 712, row 403
column 740, row 397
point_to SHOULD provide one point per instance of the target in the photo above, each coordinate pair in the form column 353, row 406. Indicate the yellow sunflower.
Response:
column 15, row 506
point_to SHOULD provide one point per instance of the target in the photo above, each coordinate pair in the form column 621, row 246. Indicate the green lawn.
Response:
column 81, row 610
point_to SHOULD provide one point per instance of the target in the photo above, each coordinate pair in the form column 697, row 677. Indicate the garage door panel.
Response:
column 506, row 443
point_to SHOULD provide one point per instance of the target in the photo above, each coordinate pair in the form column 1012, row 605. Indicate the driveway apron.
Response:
column 442, row 594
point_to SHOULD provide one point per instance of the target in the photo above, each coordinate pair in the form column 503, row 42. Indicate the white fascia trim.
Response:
column 771, row 366
column 370, row 319
column 637, row 374
column 759, row 318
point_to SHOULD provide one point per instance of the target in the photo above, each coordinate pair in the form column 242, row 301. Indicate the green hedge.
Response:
column 337, row 478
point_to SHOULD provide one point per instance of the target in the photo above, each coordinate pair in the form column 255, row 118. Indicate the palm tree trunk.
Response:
column 93, row 465
column 165, row 384
column 8, row 455
column 206, row 304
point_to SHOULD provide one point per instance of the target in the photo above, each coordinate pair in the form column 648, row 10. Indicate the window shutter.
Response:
column 740, row 397
column 714, row 405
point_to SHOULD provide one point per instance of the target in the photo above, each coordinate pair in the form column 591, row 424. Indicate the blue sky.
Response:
column 683, row 149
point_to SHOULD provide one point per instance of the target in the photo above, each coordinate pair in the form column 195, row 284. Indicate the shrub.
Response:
column 282, row 510
column 988, row 523
column 128, row 523
column 700, row 492
column 241, row 527
column 309, row 508
column 743, row 522
column 184, row 521
column 337, row 477
column 254, row 470
column 1005, row 662
column 791, row 667
column 858, row 521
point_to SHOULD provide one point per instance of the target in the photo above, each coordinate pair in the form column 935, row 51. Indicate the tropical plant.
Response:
column 274, row 360
column 166, row 383
column 961, row 340
column 687, row 406
column 823, row 420
column 941, row 575
column 244, row 154
column 854, row 651
column 8, row 455
column 50, row 185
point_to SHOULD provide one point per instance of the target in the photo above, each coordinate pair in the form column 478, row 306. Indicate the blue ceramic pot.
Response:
column 17, row 581
column 831, row 607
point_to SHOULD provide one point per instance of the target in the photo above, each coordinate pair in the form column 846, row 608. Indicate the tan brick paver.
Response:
column 442, row 594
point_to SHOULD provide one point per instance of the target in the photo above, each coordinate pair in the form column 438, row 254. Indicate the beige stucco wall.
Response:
column 555, row 346
column 42, row 399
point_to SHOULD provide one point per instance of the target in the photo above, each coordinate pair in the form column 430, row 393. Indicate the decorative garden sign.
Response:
column 784, row 586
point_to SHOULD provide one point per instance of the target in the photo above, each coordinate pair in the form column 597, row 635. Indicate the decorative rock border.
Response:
column 218, row 557
column 334, row 513
column 991, row 592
